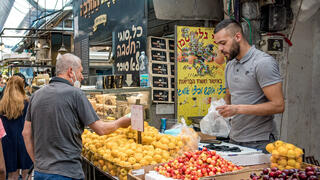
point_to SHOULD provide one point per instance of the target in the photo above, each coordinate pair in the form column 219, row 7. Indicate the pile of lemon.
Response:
column 285, row 155
column 119, row 152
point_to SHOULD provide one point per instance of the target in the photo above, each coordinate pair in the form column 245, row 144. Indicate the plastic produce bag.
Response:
column 285, row 155
column 213, row 123
column 189, row 137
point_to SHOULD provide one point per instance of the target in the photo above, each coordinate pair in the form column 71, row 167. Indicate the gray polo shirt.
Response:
column 58, row 113
column 245, row 80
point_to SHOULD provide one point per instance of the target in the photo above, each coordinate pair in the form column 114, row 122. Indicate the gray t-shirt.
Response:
column 245, row 80
column 58, row 113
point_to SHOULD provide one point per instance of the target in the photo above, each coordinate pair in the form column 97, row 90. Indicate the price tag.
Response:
column 137, row 117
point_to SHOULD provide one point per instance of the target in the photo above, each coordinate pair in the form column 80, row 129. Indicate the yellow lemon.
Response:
column 136, row 166
column 299, row 159
column 138, row 157
column 166, row 155
column 289, row 167
column 281, row 168
column 148, row 159
column 163, row 160
column 96, row 163
column 298, row 152
column 274, row 165
column 275, row 153
column 157, row 158
column 282, row 151
column 273, row 159
column 282, row 162
column 291, row 162
column 104, row 168
column 101, row 162
column 270, row 147
column 291, row 154
column 171, row 145
column 164, row 140
column 290, row 146
column 298, row 166
column 132, row 160
column 278, row 143
column 129, row 152
column 143, row 162
column 180, row 143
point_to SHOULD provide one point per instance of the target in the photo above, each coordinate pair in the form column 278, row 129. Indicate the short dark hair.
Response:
column 232, row 25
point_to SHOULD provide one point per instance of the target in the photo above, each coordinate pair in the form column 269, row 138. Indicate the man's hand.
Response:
column 227, row 110
column 103, row 128
column 123, row 122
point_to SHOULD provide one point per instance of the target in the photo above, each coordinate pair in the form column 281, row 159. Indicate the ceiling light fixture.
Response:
column 62, row 48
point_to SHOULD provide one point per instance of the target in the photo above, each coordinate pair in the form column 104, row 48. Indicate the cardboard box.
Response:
column 242, row 174
column 140, row 173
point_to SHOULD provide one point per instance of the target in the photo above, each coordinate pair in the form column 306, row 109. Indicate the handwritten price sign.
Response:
column 137, row 117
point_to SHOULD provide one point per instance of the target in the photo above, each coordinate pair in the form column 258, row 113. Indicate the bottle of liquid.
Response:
column 163, row 125
column 143, row 70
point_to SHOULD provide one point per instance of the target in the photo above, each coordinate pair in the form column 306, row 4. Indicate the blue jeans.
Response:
column 44, row 176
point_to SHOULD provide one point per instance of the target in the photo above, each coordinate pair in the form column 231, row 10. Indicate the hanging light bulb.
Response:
column 45, row 45
column 62, row 48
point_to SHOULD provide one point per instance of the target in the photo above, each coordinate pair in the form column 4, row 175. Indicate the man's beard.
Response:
column 234, row 51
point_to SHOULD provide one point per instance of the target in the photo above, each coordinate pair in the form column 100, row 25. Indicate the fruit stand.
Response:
column 163, row 156
column 118, row 153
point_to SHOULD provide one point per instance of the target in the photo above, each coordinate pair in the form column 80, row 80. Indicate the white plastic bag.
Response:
column 213, row 123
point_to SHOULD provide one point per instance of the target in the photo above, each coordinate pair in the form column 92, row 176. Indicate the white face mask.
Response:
column 76, row 83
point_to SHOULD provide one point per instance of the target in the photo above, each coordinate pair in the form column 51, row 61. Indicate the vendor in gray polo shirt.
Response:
column 253, row 87
column 55, row 120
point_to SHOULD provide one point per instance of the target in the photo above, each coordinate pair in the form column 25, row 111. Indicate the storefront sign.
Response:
column 123, row 23
column 129, row 42
column 200, row 77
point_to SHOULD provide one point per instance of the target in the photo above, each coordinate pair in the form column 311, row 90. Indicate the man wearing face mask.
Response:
column 253, row 87
column 55, row 120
